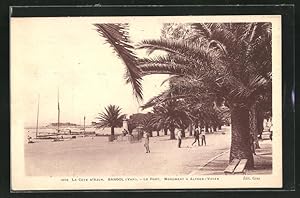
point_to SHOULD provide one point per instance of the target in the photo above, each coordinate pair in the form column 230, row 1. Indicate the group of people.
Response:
column 198, row 133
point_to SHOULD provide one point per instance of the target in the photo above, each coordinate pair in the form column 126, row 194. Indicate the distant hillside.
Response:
column 63, row 124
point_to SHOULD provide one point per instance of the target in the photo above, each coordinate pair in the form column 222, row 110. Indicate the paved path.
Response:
column 90, row 157
column 262, row 162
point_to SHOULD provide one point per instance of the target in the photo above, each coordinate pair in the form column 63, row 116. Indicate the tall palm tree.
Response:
column 170, row 115
column 199, row 107
column 230, row 60
column 148, row 123
column 111, row 117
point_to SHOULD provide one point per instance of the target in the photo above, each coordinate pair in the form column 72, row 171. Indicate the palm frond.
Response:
column 202, row 29
column 110, row 117
column 164, row 97
column 156, row 99
column 170, row 79
column 194, row 53
column 160, row 65
column 117, row 36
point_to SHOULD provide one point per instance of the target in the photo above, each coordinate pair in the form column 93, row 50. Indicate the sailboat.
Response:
column 37, row 118
column 37, row 124
column 58, row 117
column 49, row 135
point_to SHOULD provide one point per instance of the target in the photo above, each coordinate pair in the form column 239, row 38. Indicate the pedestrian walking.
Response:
column 203, row 140
column 146, row 144
column 196, row 136
column 179, row 138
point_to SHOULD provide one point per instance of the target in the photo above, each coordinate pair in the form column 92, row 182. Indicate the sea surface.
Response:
column 31, row 132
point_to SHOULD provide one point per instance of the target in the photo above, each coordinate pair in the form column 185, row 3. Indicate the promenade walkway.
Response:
column 90, row 156
column 262, row 162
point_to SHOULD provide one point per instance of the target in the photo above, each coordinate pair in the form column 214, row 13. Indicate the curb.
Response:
column 209, row 161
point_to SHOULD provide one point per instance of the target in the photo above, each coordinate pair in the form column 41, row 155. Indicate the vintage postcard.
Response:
column 156, row 102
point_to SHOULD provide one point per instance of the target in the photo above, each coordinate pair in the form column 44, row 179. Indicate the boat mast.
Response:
column 84, row 124
column 58, row 111
column 37, row 118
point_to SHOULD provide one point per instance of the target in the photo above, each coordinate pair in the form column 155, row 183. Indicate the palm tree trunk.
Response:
column 240, row 136
column 157, row 132
column 183, row 132
column 253, row 124
column 260, row 123
column 215, row 128
column 112, row 133
column 165, row 131
column 220, row 127
column 206, row 128
column 151, row 133
column 190, row 130
column 172, row 133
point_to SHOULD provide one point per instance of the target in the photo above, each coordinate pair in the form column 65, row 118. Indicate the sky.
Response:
column 68, row 54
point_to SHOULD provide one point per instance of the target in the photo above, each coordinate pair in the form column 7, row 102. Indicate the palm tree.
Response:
column 198, row 108
column 112, row 118
column 170, row 115
column 232, row 61
column 148, row 123
column 134, row 121
column 222, row 112
column 165, row 117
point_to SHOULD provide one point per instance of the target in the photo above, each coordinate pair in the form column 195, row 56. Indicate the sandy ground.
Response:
column 97, row 157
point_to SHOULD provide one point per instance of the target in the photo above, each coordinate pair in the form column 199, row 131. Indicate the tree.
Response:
column 165, row 117
column 111, row 117
column 148, row 123
column 170, row 115
column 135, row 121
column 228, row 60
column 222, row 113
column 198, row 107
column 233, row 60
column 176, row 31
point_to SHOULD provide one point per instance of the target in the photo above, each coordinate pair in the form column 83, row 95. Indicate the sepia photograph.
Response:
column 160, row 102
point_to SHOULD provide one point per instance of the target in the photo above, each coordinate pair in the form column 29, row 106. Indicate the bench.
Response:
column 236, row 166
